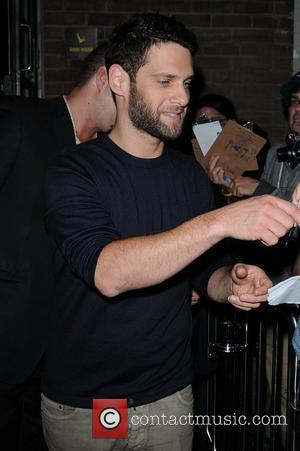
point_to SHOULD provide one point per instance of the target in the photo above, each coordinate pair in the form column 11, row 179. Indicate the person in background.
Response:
column 280, row 177
column 281, row 171
column 216, row 106
column 134, row 225
column 31, row 132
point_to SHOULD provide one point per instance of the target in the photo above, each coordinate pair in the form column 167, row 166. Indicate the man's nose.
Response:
column 181, row 95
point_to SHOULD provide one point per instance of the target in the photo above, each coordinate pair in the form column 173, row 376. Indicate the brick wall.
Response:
column 245, row 46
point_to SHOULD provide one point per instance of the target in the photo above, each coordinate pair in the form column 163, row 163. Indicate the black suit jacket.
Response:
column 31, row 132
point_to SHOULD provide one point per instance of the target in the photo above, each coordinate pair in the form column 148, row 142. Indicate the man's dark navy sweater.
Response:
column 137, row 345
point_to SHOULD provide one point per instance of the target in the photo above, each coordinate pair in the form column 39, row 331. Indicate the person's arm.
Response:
column 244, row 286
column 244, row 186
column 239, row 186
column 248, row 186
column 268, row 181
column 80, row 221
column 264, row 187
column 139, row 262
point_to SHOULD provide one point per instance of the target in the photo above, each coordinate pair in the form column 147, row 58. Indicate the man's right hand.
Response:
column 265, row 218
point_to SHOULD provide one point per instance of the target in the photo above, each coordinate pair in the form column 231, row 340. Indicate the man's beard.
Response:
column 144, row 118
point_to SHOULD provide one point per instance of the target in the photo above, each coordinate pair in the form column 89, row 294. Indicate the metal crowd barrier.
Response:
column 252, row 382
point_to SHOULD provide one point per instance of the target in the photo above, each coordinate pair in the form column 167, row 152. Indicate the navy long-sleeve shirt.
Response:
column 137, row 345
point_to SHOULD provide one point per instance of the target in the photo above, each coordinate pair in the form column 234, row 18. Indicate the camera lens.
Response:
column 291, row 152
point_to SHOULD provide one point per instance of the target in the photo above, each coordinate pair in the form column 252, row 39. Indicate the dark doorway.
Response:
column 20, row 45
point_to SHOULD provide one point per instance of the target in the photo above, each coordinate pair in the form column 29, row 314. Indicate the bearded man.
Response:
column 135, row 228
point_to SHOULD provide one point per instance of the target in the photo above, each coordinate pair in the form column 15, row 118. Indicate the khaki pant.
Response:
column 69, row 428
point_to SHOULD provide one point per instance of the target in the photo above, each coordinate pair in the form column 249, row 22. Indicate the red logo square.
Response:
column 110, row 418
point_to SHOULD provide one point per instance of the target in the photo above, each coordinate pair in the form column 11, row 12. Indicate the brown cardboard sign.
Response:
column 237, row 148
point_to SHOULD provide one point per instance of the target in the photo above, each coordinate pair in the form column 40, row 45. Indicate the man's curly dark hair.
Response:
column 130, row 41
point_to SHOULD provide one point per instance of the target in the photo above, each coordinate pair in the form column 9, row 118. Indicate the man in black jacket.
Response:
column 32, row 131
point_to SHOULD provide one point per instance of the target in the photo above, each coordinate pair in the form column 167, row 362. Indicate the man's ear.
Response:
column 118, row 80
column 101, row 77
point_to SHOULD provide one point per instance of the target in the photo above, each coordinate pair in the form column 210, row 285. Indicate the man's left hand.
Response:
column 250, row 286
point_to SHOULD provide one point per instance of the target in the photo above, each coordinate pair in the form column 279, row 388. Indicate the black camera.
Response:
column 291, row 152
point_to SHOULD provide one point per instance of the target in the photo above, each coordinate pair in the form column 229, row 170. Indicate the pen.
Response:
column 227, row 179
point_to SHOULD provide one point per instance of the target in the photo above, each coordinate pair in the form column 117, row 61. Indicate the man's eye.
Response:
column 187, row 84
column 295, row 101
column 164, row 82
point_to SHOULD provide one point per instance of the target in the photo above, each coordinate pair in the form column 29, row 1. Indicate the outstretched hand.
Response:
column 250, row 286
column 265, row 218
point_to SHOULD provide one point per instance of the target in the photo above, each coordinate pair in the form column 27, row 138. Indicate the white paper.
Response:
column 285, row 292
column 206, row 133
